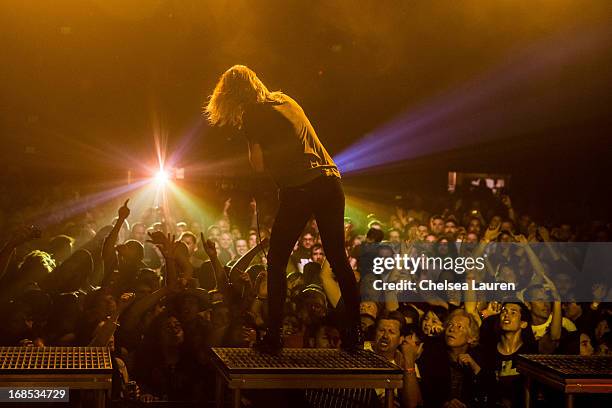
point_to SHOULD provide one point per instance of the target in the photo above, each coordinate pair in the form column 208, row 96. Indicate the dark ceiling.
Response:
column 86, row 84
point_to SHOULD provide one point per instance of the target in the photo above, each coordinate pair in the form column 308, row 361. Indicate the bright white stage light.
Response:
column 162, row 177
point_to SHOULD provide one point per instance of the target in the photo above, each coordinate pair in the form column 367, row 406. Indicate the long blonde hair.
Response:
column 238, row 87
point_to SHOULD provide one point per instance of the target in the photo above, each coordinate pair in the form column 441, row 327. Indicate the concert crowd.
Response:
column 160, row 289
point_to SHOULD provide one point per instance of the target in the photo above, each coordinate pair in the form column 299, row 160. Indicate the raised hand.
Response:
column 165, row 242
column 410, row 350
column 226, row 205
column 493, row 308
column 521, row 239
column 467, row 360
column 209, row 246
column 491, row 234
column 124, row 211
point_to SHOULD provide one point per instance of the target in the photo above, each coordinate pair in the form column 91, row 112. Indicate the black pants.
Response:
column 324, row 198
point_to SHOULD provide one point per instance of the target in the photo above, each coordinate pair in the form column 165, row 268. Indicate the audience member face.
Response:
column 422, row 232
column 318, row 255
column 225, row 240
column 241, row 247
column 214, row 233
column 291, row 325
column 327, row 337
column 507, row 226
column 437, row 226
column 172, row 333
column 474, row 226
column 564, row 284
column 314, row 308
column 394, row 236
column 431, row 325
column 586, row 348
column 457, row 333
column 307, row 241
column 601, row 329
column 192, row 245
column 139, row 233
column 443, row 247
column 236, row 233
column 252, row 242
column 510, row 318
column 223, row 226
column 471, row 238
column 388, row 336
column 368, row 307
column 507, row 274
column 572, row 310
column 540, row 309
column 450, row 228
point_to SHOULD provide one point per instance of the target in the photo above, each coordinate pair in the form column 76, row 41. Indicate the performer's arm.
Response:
column 256, row 157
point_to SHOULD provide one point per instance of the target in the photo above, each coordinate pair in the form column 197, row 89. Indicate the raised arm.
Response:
column 104, row 332
column 411, row 393
column 109, row 256
column 557, row 316
column 505, row 199
column 221, row 279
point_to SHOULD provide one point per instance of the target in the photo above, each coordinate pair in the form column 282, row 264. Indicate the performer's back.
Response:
column 293, row 154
